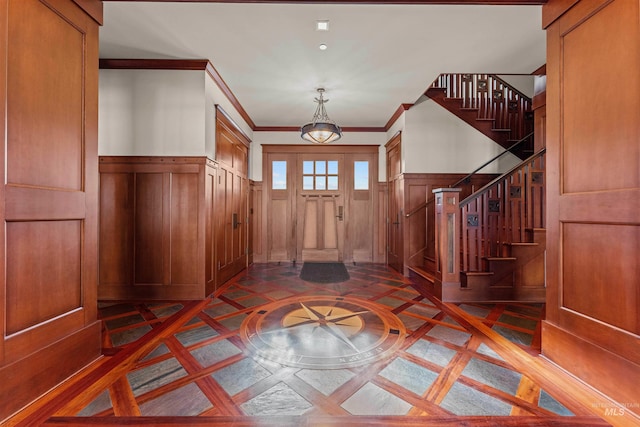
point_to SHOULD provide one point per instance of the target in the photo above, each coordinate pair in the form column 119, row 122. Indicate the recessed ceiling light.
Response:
column 323, row 46
column 322, row 25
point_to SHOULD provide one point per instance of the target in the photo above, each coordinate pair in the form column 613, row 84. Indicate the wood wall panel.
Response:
column 51, row 284
column 116, row 225
column 184, row 231
column 587, row 164
column 380, row 224
column 593, row 194
column 48, row 238
column 211, row 174
column 149, row 234
column 587, row 280
column 256, row 209
column 154, row 235
column 54, row 129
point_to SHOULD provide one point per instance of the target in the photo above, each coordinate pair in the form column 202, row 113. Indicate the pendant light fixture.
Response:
column 321, row 129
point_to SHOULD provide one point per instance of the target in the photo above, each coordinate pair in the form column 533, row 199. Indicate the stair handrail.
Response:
column 487, row 163
column 484, row 189
column 419, row 208
column 513, row 88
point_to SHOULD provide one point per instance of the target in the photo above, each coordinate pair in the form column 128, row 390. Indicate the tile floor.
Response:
column 205, row 368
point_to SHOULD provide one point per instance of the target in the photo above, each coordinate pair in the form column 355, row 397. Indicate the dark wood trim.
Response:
column 153, row 64
column 316, row 148
column 297, row 129
column 540, row 71
column 401, row 2
column 217, row 78
column 93, row 8
column 396, row 115
column 553, row 10
column 230, row 122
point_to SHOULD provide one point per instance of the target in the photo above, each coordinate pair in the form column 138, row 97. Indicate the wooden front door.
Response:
column 320, row 208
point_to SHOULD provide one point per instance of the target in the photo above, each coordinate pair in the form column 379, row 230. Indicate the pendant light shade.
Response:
column 321, row 129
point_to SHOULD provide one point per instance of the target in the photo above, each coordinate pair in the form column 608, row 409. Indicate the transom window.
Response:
column 320, row 174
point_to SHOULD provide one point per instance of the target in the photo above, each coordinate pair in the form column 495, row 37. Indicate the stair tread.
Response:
column 522, row 244
column 477, row 273
column 501, row 258
column 422, row 273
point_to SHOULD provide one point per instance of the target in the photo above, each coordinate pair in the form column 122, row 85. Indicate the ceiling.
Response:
column 379, row 56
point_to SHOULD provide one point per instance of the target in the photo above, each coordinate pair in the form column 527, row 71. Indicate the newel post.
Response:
column 447, row 231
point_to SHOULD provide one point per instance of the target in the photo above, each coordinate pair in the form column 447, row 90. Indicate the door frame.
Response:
column 291, row 152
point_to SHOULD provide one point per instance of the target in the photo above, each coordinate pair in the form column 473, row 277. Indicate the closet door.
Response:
column 48, row 249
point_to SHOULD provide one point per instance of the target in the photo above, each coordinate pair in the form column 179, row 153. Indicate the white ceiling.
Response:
column 378, row 56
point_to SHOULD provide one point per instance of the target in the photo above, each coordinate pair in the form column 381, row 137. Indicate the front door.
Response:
column 320, row 208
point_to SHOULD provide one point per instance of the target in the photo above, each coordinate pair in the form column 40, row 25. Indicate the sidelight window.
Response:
column 320, row 175
column 279, row 175
column 361, row 175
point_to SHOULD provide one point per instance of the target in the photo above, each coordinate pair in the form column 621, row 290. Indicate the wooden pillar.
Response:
column 447, row 225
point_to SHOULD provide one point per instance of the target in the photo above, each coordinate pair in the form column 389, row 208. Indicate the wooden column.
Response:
column 447, row 224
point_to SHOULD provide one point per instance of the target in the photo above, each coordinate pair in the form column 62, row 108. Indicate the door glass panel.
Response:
column 361, row 175
column 307, row 167
column 333, row 167
column 307, row 183
column 332, row 183
column 279, row 175
column 320, row 175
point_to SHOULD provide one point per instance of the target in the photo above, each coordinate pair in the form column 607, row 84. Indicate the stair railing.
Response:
column 528, row 139
column 471, row 230
column 494, row 98
column 501, row 212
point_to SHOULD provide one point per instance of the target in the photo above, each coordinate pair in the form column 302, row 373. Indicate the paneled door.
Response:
column 320, row 208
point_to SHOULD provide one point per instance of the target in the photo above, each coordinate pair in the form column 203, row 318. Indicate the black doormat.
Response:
column 324, row 272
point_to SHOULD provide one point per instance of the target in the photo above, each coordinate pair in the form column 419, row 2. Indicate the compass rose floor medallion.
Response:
column 323, row 332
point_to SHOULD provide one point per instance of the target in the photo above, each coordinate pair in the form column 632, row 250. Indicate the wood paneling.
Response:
column 49, row 201
column 211, row 213
column 593, row 235
column 156, row 217
column 232, row 198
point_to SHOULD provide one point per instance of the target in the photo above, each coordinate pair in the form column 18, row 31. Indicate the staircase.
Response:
column 489, row 104
column 495, row 240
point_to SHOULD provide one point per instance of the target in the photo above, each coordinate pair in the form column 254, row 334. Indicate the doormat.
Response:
column 324, row 272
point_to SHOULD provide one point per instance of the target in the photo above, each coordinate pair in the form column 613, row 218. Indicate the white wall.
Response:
column 151, row 113
column 524, row 83
column 348, row 138
column 436, row 141
column 172, row 113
